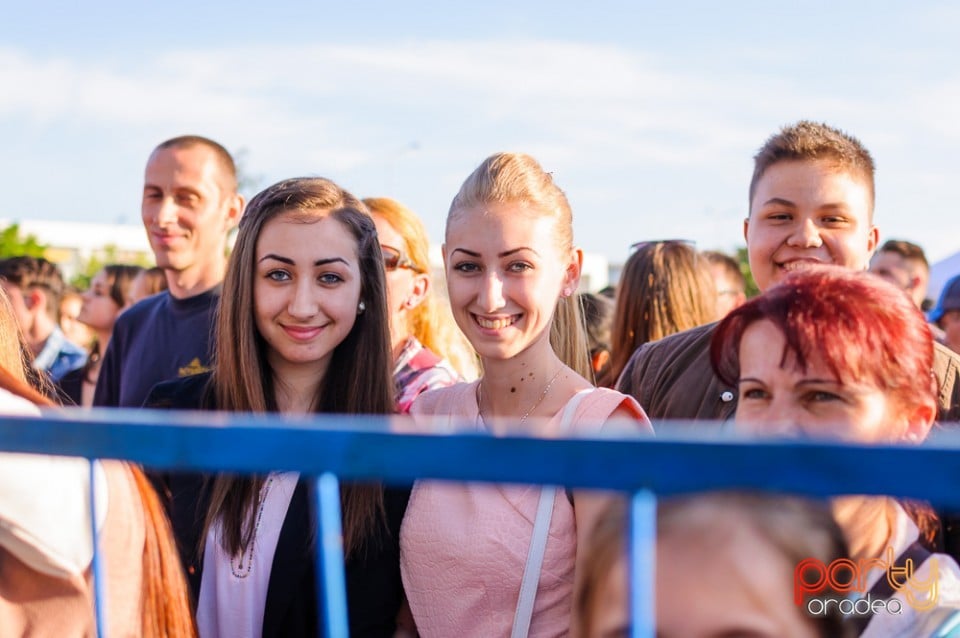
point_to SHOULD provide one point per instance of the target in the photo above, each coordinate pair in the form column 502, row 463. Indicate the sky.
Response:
column 646, row 113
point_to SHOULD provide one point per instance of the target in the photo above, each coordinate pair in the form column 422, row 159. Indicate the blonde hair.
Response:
column 430, row 322
column 517, row 178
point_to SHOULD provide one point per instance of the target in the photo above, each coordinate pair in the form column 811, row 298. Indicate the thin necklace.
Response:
column 532, row 407
column 241, row 570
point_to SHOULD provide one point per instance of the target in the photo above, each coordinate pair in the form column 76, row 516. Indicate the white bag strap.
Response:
column 538, row 542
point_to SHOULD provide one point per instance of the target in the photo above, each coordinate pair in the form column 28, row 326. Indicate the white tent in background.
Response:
column 941, row 272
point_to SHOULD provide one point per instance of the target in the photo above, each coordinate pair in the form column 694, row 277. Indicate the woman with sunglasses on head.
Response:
column 512, row 276
column 302, row 328
column 665, row 287
column 842, row 354
column 422, row 339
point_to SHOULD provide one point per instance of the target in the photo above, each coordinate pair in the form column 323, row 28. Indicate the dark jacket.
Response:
column 374, row 590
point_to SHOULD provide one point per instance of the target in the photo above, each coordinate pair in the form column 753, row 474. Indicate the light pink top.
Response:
column 463, row 546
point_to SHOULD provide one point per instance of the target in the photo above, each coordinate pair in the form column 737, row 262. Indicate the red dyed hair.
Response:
column 862, row 327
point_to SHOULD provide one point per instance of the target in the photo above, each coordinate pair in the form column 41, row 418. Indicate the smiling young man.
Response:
column 190, row 204
column 811, row 202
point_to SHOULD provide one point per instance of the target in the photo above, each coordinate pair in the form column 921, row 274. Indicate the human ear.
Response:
column 235, row 208
column 35, row 298
column 920, row 421
column 746, row 227
column 571, row 276
column 873, row 240
column 418, row 292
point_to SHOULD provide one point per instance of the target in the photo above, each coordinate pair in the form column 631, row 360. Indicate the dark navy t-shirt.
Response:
column 157, row 339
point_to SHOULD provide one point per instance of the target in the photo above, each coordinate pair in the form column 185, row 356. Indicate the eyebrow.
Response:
column 779, row 200
column 801, row 382
column 505, row 253
column 319, row 262
column 786, row 202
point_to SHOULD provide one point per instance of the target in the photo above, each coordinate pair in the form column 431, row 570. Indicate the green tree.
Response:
column 12, row 244
column 106, row 255
column 744, row 261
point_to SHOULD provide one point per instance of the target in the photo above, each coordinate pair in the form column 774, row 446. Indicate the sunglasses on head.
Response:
column 393, row 259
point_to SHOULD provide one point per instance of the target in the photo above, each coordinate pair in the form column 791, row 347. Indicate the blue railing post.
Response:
column 643, row 554
column 99, row 597
column 332, row 597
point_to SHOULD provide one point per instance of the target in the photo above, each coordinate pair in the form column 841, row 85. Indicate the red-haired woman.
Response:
column 833, row 353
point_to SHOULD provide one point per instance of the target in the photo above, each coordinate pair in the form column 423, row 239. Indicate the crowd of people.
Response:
column 327, row 303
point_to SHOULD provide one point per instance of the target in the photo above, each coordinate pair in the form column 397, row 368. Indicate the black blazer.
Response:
column 374, row 590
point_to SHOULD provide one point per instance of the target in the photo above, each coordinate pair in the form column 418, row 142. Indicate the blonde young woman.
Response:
column 423, row 339
column 512, row 273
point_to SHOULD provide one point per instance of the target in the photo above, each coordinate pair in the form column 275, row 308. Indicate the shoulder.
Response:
column 693, row 341
column 672, row 376
column 134, row 317
column 601, row 404
column 946, row 367
column 13, row 405
column 185, row 393
column 447, row 400
column 144, row 308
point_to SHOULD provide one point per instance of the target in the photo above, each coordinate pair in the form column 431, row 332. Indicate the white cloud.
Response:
column 621, row 125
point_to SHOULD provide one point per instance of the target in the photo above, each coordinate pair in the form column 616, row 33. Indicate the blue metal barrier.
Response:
column 369, row 449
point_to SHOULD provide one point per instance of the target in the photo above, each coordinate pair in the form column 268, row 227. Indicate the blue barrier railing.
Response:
column 372, row 449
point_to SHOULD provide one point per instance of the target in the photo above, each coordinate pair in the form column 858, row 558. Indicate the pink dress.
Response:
column 463, row 546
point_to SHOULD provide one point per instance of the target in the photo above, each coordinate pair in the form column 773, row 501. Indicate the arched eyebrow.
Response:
column 505, row 253
column 288, row 261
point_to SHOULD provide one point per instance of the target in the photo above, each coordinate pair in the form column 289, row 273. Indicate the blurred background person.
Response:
column 34, row 287
column 905, row 265
column 946, row 315
column 73, row 329
column 46, row 548
column 841, row 354
column 148, row 282
column 725, row 567
column 428, row 350
column 665, row 287
column 598, row 316
column 103, row 302
column 729, row 279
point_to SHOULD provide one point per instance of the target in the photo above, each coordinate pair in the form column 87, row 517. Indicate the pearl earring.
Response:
column 361, row 307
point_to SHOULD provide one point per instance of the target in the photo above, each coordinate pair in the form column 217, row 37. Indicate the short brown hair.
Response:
column 227, row 165
column 811, row 141
column 35, row 272
column 907, row 250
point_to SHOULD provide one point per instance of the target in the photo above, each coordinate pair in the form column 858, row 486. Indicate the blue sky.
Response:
column 647, row 113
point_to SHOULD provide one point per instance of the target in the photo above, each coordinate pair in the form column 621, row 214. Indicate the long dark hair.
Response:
column 119, row 279
column 243, row 381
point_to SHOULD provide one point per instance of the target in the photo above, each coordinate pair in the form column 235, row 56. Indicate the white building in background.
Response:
column 71, row 244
